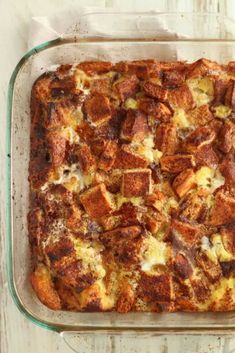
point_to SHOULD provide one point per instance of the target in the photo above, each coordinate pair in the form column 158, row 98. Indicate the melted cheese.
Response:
column 71, row 135
column 155, row 252
column 204, row 176
column 171, row 203
column 73, row 179
column 131, row 103
column 209, row 178
column 146, row 149
column 225, row 283
column 219, row 250
column 202, row 90
column 180, row 118
column 107, row 300
column 136, row 201
column 77, row 115
column 221, row 111
column 215, row 250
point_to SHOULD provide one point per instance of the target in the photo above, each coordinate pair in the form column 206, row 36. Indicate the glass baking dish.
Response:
column 214, row 41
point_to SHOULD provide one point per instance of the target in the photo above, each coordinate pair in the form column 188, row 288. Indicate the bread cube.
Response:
column 97, row 108
column 97, row 201
column 136, row 182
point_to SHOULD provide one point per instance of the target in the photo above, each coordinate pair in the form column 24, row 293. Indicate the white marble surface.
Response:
column 17, row 334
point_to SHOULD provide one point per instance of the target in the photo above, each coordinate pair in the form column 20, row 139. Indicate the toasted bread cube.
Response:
column 156, row 200
column 136, row 182
column 231, row 67
column 154, row 221
column 119, row 233
column 41, row 87
column 177, row 163
column 135, row 126
column 63, row 87
column 203, row 67
column 57, row 147
column 110, row 222
column 63, row 70
column 227, row 136
column 201, row 289
column 228, row 237
column 128, row 159
column 60, row 253
column 74, row 275
column 143, row 69
column 223, row 210
column 200, row 137
column 42, row 284
column 95, row 67
column 101, row 85
column 162, row 112
column 126, row 299
column 211, row 269
column 123, row 244
column 201, row 115
column 206, row 156
column 74, row 218
column 184, row 182
column 227, row 168
column 194, row 207
column 187, row 233
column 230, row 95
column 97, row 201
column 181, row 97
column 166, row 138
column 126, row 87
column 58, row 114
column 155, row 91
column 220, row 88
column 182, row 266
column 156, row 287
column 97, row 108
column 86, row 159
column 158, row 110
column 108, row 156
column 173, row 78
column 90, row 298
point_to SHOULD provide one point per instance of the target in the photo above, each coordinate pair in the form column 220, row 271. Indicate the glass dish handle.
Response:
column 142, row 342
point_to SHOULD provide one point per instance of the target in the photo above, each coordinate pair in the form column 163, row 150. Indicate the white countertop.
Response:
column 17, row 334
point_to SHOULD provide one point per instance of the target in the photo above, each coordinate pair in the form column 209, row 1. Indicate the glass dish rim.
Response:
column 8, row 185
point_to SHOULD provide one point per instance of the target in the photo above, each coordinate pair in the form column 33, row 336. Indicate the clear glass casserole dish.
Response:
column 212, row 41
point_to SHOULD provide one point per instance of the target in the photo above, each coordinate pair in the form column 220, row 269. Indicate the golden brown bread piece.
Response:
column 97, row 108
column 166, row 139
column 184, row 182
column 97, row 201
column 223, row 210
column 135, row 126
column 181, row 97
column 44, row 288
column 155, row 91
column 132, row 175
column 136, row 182
column 158, row 110
column 127, row 87
column 128, row 159
column 177, row 163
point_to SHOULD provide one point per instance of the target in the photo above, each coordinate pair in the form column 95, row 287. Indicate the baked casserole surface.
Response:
column 132, row 179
